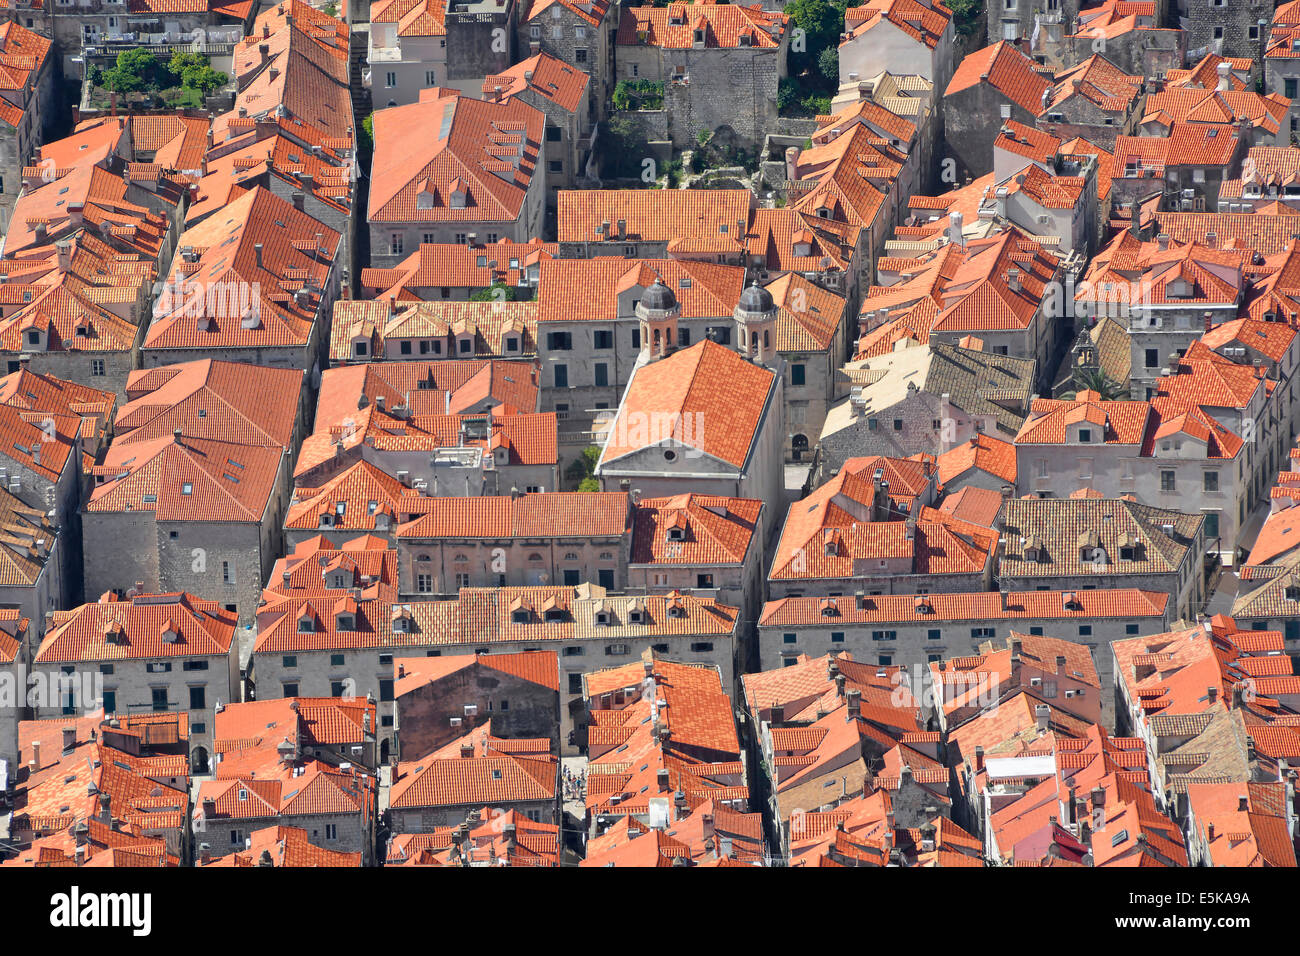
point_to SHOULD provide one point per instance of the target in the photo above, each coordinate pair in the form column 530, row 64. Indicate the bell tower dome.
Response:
column 756, row 316
column 657, row 313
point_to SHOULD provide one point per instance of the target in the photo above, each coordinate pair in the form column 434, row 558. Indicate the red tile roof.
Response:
column 1007, row 70
column 146, row 626
column 234, row 402
column 477, row 166
column 724, row 25
column 1096, row 602
column 547, row 76
column 714, row 400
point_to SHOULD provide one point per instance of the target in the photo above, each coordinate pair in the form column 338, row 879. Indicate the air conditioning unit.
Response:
column 471, row 710
column 456, row 721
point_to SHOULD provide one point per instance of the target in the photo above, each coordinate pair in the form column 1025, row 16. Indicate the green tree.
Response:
column 582, row 472
column 497, row 292
column 968, row 15
column 828, row 64
column 822, row 21
column 203, row 79
column 136, row 70
column 1096, row 380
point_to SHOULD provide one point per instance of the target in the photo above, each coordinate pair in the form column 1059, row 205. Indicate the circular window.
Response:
column 670, row 455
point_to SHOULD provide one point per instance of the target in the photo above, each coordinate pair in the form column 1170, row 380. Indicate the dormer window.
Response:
column 520, row 615
column 306, row 625
column 1293, row 592
column 602, row 618
column 636, row 616
column 1085, row 435
column 555, row 614
column 676, row 534
column 346, row 622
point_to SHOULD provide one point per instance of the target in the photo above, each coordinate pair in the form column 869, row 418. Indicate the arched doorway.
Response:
column 384, row 750
column 199, row 760
column 799, row 446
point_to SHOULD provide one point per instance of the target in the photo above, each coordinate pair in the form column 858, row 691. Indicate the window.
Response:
column 601, row 372
column 198, row 697
column 561, row 376
column 702, row 647
column 97, row 367
column 1085, row 630
column 110, row 701
column 462, row 580
column 331, row 831
column 385, row 688
column 898, row 424
column 194, row 666
column 337, row 688
column 1152, row 358
column 1166, row 481
column 579, row 56
column 884, row 635
column 1211, row 481
column 559, row 341
column 227, row 573
column 934, row 634
column 395, row 244
column 289, row 660
column 1130, row 629
column 837, row 637
column 789, row 638
column 555, row 165
column 1290, row 87
column 1085, row 434
column 430, row 78
column 798, row 374
column 602, row 339
column 336, row 660
column 981, row 632
column 553, row 134
column 290, row 689
column 575, row 683
column 704, row 581
column 1211, row 524
column 159, row 698
column 106, row 668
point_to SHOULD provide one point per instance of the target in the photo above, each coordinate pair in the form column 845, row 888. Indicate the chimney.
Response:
column 298, row 200
column 69, row 739
column 853, row 698
column 1225, row 72
column 1162, row 241
column 1211, row 694
column 1043, row 714
column 257, row 251
column 205, row 853
column 1209, row 833
column 265, row 859
column 1243, row 803
column 1013, row 280
column 105, row 808
column 36, row 753
column 466, row 751
column 1060, row 663
column 661, row 778
column 979, row 758
column 508, row 831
